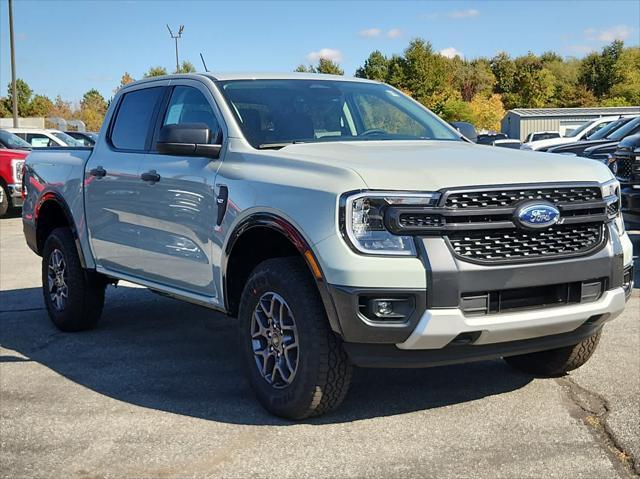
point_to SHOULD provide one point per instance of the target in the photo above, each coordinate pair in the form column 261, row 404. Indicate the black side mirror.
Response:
column 188, row 139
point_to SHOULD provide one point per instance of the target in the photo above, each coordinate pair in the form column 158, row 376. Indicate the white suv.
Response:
column 42, row 138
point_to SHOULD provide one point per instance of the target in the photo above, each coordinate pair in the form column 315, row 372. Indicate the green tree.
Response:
column 155, row 72
column 600, row 71
column 472, row 77
column 40, row 106
column 93, row 107
column 186, row 67
column 303, row 69
column 504, row 70
column 426, row 75
column 376, row 67
column 628, row 86
column 324, row 66
column 4, row 111
column 24, row 93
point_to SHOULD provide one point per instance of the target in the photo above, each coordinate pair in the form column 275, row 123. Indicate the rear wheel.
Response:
column 73, row 296
column 4, row 200
column 555, row 362
column 294, row 362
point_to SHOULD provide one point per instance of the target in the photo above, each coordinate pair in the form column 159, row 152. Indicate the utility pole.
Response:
column 176, row 37
column 14, row 95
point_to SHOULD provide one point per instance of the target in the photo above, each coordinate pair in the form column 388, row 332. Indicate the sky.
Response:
column 68, row 47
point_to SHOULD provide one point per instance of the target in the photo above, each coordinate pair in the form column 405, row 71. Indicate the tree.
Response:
column 600, row 72
column 628, row 86
column 426, row 75
column 324, row 66
column 125, row 80
column 504, row 70
column 472, row 77
column 93, row 107
column 61, row 108
column 4, row 111
column 24, row 93
column 487, row 111
column 155, row 72
column 186, row 67
column 376, row 67
column 40, row 106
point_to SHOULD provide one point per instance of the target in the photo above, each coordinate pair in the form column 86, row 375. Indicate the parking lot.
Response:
column 155, row 391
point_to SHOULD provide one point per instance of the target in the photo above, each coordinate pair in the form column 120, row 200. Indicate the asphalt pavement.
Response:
column 156, row 392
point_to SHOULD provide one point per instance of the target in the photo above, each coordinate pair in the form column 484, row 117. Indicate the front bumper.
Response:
column 15, row 195
column 440, row 319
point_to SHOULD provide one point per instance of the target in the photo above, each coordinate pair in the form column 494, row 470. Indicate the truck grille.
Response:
column 515, row 244
column 509, row 197
column 624, row 169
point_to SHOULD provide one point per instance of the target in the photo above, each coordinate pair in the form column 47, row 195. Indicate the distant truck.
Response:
column 626, row 166
column 341, row 223
column 11, row 163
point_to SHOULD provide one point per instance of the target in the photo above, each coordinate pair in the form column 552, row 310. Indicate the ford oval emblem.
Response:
column 537, row 215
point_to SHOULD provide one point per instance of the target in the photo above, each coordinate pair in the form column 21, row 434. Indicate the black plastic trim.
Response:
column 390, row 356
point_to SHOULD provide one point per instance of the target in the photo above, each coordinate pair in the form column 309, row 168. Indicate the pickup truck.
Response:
column 11, row 162
column 626, row 166
column 341, row 222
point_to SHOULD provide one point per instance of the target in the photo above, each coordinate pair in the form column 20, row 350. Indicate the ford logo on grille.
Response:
column 537, row 215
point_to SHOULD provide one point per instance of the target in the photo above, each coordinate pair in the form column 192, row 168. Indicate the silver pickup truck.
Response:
column 339, row 221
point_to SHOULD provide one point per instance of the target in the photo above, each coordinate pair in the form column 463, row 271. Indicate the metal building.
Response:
column 518, row 123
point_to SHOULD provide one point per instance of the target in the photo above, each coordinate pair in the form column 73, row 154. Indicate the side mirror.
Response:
column 187, row 139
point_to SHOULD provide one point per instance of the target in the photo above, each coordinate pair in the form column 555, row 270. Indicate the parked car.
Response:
column 41, row 138
column 541, row 135
column 508, row 143
column 583, row 132
column 626, row 166
column 490, row 138
column 612, row 133
column 11, row 162
column 336, row 238
column 87, row 138
column 466, row 129
column 13, row 142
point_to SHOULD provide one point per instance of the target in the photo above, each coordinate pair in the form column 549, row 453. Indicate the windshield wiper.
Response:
column 277, row 146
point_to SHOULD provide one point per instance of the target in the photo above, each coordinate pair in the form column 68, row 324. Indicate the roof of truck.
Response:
column 259, row 76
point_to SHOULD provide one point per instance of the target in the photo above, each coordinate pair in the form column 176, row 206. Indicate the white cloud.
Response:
column 471, row 12
column 578, row 49
column 394, row 33
column 327, row 53
column 616, row 32
column 370, row 32
column 451, row 52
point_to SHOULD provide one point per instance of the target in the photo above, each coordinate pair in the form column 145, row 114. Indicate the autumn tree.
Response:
column 186, row 67
column 40, row 105
column 155, row 72
column 93, row 107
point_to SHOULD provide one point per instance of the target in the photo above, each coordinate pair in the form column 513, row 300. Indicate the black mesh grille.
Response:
column 612, row 209
column 413, row 220
column 624, row 169
column 505, row 198
column 515, row 244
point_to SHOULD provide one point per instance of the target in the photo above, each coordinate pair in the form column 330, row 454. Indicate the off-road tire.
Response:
column 4, row 202
column 323, row 373
column 86, row 289
column 555, row 362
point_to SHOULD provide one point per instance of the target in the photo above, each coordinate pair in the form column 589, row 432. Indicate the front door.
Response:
column 177, row 209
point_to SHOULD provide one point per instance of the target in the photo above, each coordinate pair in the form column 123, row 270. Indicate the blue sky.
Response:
column 68, row 47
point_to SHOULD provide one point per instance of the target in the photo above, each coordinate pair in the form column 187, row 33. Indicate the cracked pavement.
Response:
column 155, row 392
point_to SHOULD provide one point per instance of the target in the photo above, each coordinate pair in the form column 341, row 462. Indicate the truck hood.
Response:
column 432, row 165
column 549, row 142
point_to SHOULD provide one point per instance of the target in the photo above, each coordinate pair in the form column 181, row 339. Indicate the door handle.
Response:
column 98, row 171
column 150, row 176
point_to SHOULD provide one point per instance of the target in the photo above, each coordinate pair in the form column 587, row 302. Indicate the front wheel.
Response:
column 556, row 362
column 73, row 296
column 294, row 362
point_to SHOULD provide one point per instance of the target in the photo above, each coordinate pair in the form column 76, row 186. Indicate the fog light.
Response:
column 383, row 308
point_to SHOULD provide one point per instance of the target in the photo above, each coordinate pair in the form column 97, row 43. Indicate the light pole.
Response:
column 14, row 96
column 176, row 37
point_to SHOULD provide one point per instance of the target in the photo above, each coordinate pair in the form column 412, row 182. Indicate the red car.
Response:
column 11, row 162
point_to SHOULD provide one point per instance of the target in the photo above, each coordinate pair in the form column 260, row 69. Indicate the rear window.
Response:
column 134, row 118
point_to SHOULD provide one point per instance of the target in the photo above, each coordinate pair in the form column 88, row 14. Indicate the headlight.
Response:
column 611, row 194
column 16, row 166
column 362, row 221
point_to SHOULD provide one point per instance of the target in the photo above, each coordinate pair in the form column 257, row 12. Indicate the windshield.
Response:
column 626, row 130
column 274, row 113
column 69, row 140
column 580, row 129
column 605, row 131
column 13, row 141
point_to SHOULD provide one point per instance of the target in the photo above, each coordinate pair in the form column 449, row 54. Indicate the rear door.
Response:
column 113, row 188
column 177, row 208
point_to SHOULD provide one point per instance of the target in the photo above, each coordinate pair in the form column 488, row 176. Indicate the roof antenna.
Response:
column 203, row 63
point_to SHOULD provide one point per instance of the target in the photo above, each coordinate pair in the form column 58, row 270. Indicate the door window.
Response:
column 134, row 119
column 38, row 140
column 189, row 105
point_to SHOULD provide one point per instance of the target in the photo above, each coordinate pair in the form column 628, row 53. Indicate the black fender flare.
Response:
column 55, row 197
column 290, row 232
